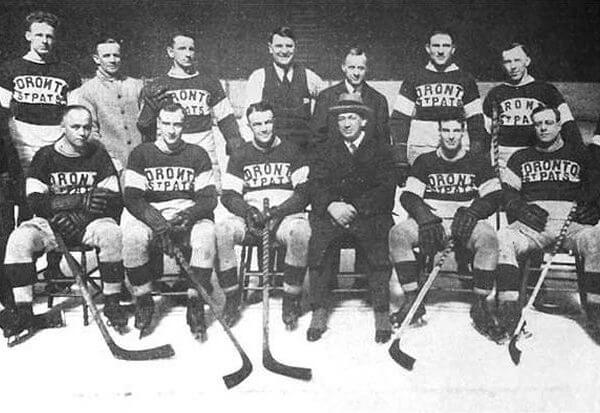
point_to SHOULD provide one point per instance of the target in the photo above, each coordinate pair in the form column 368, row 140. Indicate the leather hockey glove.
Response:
column 70, row 225
column 99, row 200
column 431, row 237
column 165, row 242
column 157, row 96
column 463, row 223
column 587, row 213
column 255, row 222
column 532, row 215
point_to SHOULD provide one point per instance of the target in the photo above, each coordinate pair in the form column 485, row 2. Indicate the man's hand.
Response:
column 255, row 221
column 342, row 213
column 157, row 96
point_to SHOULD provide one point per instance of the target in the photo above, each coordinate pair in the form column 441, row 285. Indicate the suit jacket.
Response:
column 321, row 121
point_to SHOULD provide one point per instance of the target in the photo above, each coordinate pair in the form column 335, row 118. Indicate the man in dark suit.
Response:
column 355, row 71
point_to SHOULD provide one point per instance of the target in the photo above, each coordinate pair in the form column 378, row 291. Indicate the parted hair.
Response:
column 41, row 17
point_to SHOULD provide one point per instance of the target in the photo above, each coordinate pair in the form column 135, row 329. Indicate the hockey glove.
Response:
column 165, row 242
column 587, row 213
column 431, row 237
column 463, row 223
column 532, row 215
column 70, row 225
column 99, row 200
column 157, row 96
column 255, row 222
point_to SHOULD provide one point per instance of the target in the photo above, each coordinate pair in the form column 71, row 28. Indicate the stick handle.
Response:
column 265, row 275
column 425, row 288
column 495, row 129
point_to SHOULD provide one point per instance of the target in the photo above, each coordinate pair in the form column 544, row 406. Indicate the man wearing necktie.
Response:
column 351, row 186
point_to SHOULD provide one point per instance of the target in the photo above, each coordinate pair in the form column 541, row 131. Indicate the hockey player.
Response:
column 440, row 90
column 516, row 99
column 36, row 89
column 169, row 197
column 288, row 86
column 355, row 70
column 352, row 194
column 267, row 167
column 202, row 96
column 542, row 182
column 449, row 192
column 114, row 99
column 73, row 189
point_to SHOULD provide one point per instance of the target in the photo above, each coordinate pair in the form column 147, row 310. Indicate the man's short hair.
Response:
column 512, row 45
column 355, row 51
column 460, row 119
column 173, row 107
column 41, row 17
column 259, row 107
column 104, row 40
column 282, row 31
column 72, row 108
column 178, row 33
column 543, row 108
column 437, row 31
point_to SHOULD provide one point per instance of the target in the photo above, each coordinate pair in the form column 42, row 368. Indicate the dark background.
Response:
column 231, row 36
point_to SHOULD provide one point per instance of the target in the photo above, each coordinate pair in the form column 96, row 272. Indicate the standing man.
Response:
column 352, row 189
column 267, row 167
column 440, row 90
column 288, row 86
column 36, row 88
column 355, row 71
column 515, row 101
column 169, row 195
column 449, row 191
column 73, row 190
column 200, row 94
column 113, row 98
column 542, row 182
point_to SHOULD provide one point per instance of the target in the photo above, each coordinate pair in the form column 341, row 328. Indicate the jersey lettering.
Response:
column 517, row 111
column 40, row 89
column 266, row 174
column 553, row 170
column 72, row 182
column 451, row 183
column 440, row 95
column 170, row 178
column 195, row 101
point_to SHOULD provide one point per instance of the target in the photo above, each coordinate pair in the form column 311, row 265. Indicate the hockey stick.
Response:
column 269, row 362
column 513, row 350
column 496, row 152
column 161, row 352
column 400, row 357
column 235, row 378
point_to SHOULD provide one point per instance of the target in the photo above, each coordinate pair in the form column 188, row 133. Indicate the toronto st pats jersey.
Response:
column 170, row 179
column 515, row 104
column 445, row 186
column 429, row 95
column 272, row 174
column 37, row 92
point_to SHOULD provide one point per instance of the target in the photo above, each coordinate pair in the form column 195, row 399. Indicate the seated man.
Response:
column 449, row 190
column 542, row 182
column 169, row 195
column 352, row 194
column 267, row 167
column 72, row 189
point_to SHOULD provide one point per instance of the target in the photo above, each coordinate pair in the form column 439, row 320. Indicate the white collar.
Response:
column 527, row 79
column 276, row 143
column 356, row 142
column 63, row 147
column 556, row 145
column 351, row 89
column 177, row 74
column 279, row 70
column 450, row 68
column 34, row 57
column 459, row 155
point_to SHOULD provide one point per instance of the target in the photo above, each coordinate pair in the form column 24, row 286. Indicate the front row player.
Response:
column 542, row 183
column 72, row 188
column 449, row 190
column 269, row 168
column 169, row 194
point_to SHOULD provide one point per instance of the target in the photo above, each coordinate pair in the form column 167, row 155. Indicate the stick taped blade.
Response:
column 235, row 378
column 513, row 350
column 156, row 353
column 300, row 373
column 401, row 357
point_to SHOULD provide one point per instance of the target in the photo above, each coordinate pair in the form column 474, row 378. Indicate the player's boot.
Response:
column 231, row 312
column 398, row 317
column 318, row 324
column 195, row 317
column 15, row 321
column 115, row 313
column 291, row 310
column 144, row 310
column 509, row 313
column 484, row 320
column 383, row 328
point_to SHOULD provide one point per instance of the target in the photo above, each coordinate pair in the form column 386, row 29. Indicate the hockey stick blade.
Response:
column 161, row 352
column 235, row 378
column 513, row 350
column 300, row 373
column 401, row 357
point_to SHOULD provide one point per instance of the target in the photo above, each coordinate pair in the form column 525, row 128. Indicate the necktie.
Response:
column 286, row 80
column 353, row 148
